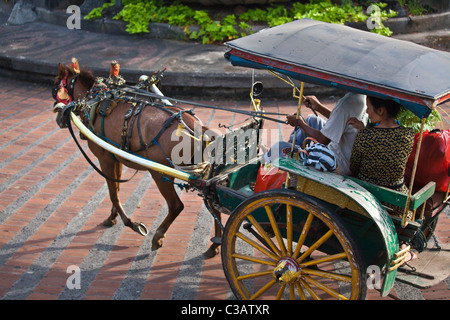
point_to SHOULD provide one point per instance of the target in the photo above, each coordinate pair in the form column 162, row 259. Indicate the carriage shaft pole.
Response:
column 128, row 156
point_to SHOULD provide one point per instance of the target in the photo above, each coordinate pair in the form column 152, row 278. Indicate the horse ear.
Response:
column 61, row 71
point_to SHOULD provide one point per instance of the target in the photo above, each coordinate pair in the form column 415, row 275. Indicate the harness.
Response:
column 134, row 114
column 102, row 100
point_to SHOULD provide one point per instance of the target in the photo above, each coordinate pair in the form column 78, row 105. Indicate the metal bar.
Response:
column 413, row 174
column 258, row 114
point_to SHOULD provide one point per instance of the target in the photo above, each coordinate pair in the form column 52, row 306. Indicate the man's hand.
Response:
column 293, row 121
column 355, row 123
column 314, row 104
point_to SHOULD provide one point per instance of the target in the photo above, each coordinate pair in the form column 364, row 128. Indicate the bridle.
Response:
column 64, row 91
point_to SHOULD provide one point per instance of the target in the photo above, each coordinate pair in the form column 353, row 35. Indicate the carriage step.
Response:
column 216, row 240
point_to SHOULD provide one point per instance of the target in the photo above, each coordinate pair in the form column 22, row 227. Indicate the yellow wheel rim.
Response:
column 277, row 259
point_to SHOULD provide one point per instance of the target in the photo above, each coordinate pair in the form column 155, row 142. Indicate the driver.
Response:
column 338, row 132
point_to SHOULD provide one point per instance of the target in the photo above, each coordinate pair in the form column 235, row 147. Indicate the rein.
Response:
column 81, row 104
column 256, row 114
column 104, row 175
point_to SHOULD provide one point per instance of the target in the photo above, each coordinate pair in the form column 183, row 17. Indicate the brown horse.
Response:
column 151, row 121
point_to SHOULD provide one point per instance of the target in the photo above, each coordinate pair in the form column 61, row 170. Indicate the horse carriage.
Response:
column 318, row 235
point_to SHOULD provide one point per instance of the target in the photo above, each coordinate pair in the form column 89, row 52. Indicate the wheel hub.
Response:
column 287, row 270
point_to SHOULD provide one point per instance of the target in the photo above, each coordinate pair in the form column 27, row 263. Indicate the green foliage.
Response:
column 178, row 15
column 410, row 120
column 96, row 13
column 415, row 7
column 321, row 10
column 139, row 13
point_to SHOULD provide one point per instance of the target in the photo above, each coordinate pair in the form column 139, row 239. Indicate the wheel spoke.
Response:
column 263, row 289
column 317, row 244
column 333, row 257
column 324, row 288
column 302, row 237
column 308, row 288
column 257, row 246
column 264, row 234
column 289, row 228
column 300, row 291
column 275, row 229
column 255, row 275
column 328, row 275
column 256, row 260
column 291, row 292
column 280, row 291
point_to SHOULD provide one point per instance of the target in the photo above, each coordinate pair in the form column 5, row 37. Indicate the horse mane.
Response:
column 86, row 77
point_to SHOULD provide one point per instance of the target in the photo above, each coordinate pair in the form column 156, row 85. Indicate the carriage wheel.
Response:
column 275, row 246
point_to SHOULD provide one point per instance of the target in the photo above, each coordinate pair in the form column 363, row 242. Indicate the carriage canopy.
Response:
column 353, row 60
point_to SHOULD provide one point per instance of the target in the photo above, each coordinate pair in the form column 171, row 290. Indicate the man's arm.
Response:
column 310, row 132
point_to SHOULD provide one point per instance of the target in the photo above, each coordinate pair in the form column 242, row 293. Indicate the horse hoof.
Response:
column 109, row 223
column 156, row 245
column 140, row 228
column 157, row 241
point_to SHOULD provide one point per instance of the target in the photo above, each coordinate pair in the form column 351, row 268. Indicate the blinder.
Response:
column 64, row 91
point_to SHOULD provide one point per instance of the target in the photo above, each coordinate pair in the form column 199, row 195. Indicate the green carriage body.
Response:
column 358, row 204
column 361, row 62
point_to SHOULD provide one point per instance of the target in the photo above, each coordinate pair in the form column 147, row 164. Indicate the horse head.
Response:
column 71, row 83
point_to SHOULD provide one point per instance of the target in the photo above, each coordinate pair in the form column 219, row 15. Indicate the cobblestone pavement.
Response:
column 52, row 203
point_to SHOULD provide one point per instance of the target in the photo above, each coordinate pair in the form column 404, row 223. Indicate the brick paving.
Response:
column 52, row 204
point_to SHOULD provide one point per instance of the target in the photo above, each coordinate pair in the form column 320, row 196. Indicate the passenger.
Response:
column 338, row 132
column 380, row 153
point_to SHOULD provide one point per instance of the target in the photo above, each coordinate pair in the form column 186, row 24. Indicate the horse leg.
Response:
column 114, row 170
column 174, row 204
column 112, row 219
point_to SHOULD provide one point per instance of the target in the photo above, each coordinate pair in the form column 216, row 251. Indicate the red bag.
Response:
column 272, row 178
column 434, row 160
